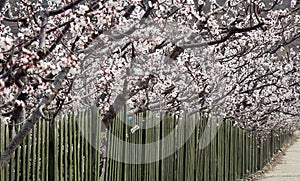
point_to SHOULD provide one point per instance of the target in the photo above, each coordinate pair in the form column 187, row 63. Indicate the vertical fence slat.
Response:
column 23, row 159
column 75, row 143
column 81, row 152
column 2, row 145
column 6, row 144
column 86, row 146
column 60, row 146
column 18, row 161
column 70, row 147
column 33, row 153
column 28, row 153
column 38, row 148
column 47, row 148
column 12, row 159
column 65, row 147
column 52, row 172
column 43, row 157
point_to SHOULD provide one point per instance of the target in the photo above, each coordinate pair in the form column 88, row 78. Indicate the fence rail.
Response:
column 69, row 150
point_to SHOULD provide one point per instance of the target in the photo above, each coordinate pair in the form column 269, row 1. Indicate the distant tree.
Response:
column 239, row 59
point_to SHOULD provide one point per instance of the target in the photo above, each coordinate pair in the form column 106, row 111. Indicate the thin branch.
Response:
column 231, row 32
column 65, row 8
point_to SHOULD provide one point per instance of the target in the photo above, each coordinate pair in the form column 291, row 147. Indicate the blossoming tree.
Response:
column 237, row 59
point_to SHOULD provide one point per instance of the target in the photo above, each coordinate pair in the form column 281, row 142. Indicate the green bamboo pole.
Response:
column 65, row 147
column 207, row 157
column 80, row 155
column 238, row 153
column 28, row 153
column 126, row 149
column 55, row 151
column 249, row 153
column 271, row 145
column 17, row 158
column 254, row 153
column 43, row 157
column 122, row 136
column 108, row 149
column 243, row 164
column 265, row 154
column 52, row 173
column 181, row 152
column 253, row 161
column 75, row 144
column 228, row 149
column 2, row 146
column 219, row 152
column 150, row 138
column 7, row 141
column 135, row 153
column 155, row 134
column 260, row 150
column 158, row 137
column 225, row 152
column 267, row 149
column 70, row 146
column 90, row 146
column 47, row 138
column 235, row 152
column 97, row 135
column 113, row 147
column 61, row 144
column 86, row 146
column 172, row 147
column 33, row 153
column 247, row 161
column 231, row 152
column 116, row 150
column 152, row 168
column 199, row 164
column 167, row 163
column 38, row 148
column 253, row 169
column 23, row 159
column 12, row 159
column 212, row 153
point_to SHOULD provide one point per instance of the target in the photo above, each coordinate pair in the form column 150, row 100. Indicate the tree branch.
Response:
column 63, row 9
column 231, row 32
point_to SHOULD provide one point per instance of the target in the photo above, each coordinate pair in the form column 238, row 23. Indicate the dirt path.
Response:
column 289, row 170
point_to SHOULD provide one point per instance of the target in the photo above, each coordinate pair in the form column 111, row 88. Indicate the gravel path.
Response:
column 289, row 170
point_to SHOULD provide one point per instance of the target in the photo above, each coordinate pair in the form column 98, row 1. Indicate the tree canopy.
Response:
column 236, row 59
